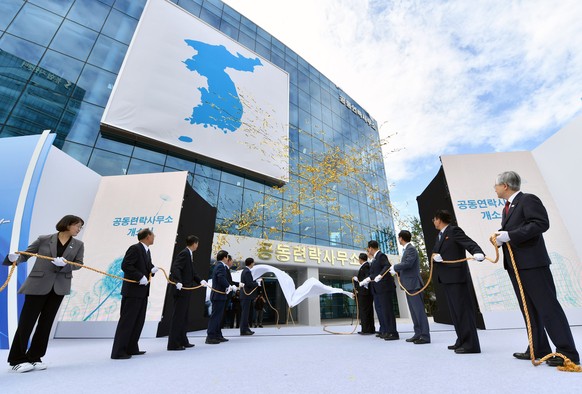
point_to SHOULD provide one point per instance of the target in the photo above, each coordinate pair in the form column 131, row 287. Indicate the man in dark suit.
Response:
column 383, row 291
column 137, row 266
column 409, row 272
column 451, row 244
column 220, row 283
column 183, row 274
column 247, row 295
column 365, row 300
column 523, row 222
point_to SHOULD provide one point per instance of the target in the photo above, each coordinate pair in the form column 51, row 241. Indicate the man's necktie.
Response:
column 506, row 207
column 440, row 235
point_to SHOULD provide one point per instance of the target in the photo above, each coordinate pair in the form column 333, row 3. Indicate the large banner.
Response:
column 123, row 206
column 196, row 90
column 471, row 180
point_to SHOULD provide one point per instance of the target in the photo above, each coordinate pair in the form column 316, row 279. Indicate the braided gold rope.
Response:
column 568, row 365
column 276, row 311
column 12, row 267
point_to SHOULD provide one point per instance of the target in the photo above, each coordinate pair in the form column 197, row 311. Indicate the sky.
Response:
column 440, row 77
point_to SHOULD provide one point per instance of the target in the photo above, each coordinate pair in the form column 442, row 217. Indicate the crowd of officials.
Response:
column 241, row 304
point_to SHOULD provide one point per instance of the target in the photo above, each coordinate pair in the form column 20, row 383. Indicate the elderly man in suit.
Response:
column 247, row 295
column 365, row 300
column 137, row 266
column 523, row 222
column 409, row 272
column 383, row 290
column 221, row 284
column 183, row 274
column 451, row 244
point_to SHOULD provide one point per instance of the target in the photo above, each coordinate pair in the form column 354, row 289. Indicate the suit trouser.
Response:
column 43, row 308
column 545, row 312
column 419, row 319
column 215, row 322
column 179, row 325
column 462, row 315
column 384, row 309
column 365, row 304
column 129, row 326
column 245, row 304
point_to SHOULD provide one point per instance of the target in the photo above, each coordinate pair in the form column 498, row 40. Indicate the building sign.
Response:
column 369, row 121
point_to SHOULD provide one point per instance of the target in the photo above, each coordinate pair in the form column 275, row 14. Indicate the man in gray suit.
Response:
column 409, row 271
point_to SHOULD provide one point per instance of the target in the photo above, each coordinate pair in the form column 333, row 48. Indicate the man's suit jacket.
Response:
column 45, row 275
column 526, row 221
column 409, row 269
column 250, row 284
column 182, row 271
column 363, row 273
column 219, row 281
column 452, row 246
column 379, row 266
column 136, row 264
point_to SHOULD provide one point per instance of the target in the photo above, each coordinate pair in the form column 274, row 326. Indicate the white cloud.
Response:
column 447, row 76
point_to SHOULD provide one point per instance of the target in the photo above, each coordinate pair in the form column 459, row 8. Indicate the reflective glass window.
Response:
column 77, row 151
column 137, row 166
column 108, row 54
column 246, row 40
column 108, row 163
column 124, row 148
column 35, row 24
column 149, row 155
column 119, row 26
column 58, row 72
column 232, row 179
column 97, row 85
column 210, row 18
column 130, row 7
column 229, row 29
column 229, row 201
column 74, row 40
column 89, row 13
column 84, row 121
column 254, row 185
column 8, row 10
column 16, row 50
column 207, row 189
column 57, row 6
column 207, row 171
column 190, row 6
column 179, row 164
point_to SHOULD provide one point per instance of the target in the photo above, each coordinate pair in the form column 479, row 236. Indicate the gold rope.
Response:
column 12, row 267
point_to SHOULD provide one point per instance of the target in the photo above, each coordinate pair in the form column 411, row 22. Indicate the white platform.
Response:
column 295, row 359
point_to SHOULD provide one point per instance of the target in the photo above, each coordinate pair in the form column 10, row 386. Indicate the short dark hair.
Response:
column 249, row 261
column 221, row 255
column 144, row 233
column 405, row 235
column 444, row 216
column 373, row 244
column 191, row 240
column 68, row 220
column 363, row 257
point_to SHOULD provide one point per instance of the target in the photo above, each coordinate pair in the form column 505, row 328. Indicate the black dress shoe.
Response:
column 365, row 333
column 223, row 339
column 453, row 347
column 412, row 339
column 139, row 353
column 462, row 350
column 521, row 356
column 391, row 337
column 188, row 345
column 247, row 333
column 558, row 361
column 121, row 357
column 421, row 341
column 177, row 348
column 212, row 341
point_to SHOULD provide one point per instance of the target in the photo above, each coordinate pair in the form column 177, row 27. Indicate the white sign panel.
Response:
column 471, row 179
column 188, row 86
column 123, row 206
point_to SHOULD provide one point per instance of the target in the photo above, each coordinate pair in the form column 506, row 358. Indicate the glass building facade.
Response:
column 59, row 60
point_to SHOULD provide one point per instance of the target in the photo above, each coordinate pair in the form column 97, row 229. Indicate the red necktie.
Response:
column 506, row 207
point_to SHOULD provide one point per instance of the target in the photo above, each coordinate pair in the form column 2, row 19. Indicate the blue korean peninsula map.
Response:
column 220, row 105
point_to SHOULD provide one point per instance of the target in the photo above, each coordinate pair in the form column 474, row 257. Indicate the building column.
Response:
column 308, row 312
